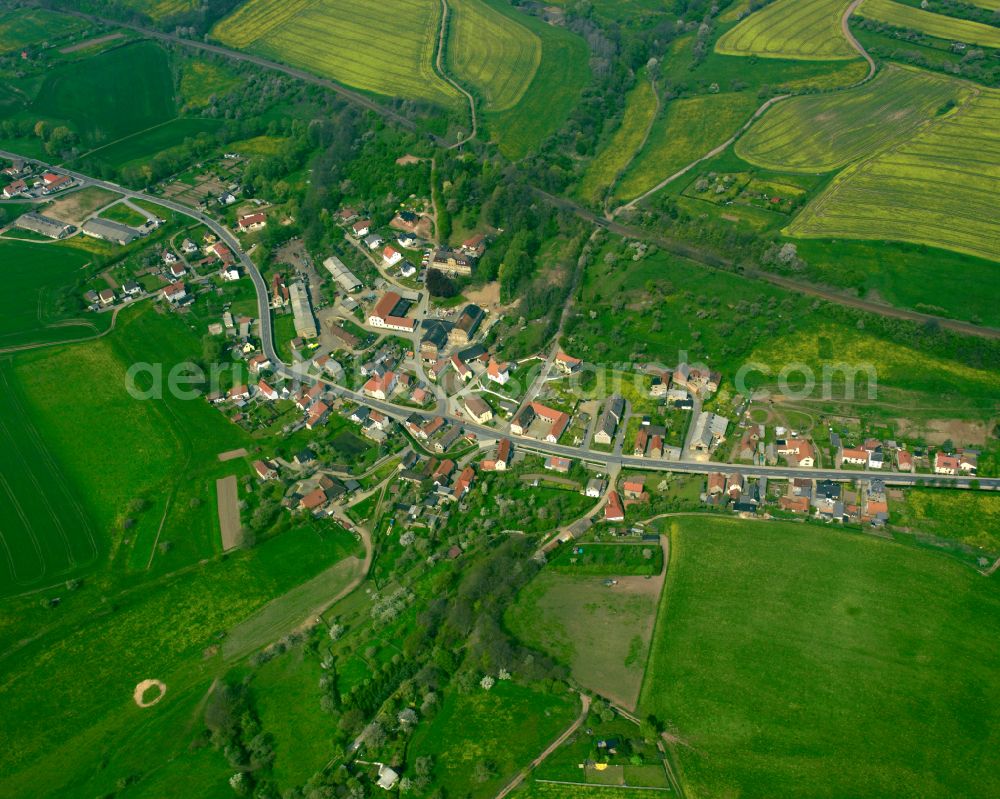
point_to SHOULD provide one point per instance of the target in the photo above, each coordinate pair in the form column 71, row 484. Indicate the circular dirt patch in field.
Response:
column 149, row 692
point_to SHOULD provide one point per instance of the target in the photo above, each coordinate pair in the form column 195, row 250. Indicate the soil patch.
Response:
column 91, row 43
column 232, row 454
column 229, row 511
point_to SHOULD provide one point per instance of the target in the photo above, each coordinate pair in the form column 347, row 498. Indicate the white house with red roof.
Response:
column 266, row 391
column 946, row 464
column 391, row 256
column 14, row 189
column 249, row 222
column 381, row 387
column 175, row 292
column 498, row 372
column 383, row 314
column 223, row 253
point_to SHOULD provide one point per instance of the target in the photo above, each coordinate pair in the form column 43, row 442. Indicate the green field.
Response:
column 40, row 304
column 119, row 93
column 491, row 52
column 146, row 144
column 46, row 531
column 66, row 701
column 387, row 48
column 820, row 133
column 686, row 130
column 602, row 633
column 547, row 790
column 120, row 212
column 33, row 25
column 937, row 188
column 554, row 91
column 951, row 29
column 617, row 153
column 790, row 29
column 785, row 653
column 507, row 725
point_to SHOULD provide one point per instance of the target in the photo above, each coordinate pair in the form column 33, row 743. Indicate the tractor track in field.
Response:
column 439, row 63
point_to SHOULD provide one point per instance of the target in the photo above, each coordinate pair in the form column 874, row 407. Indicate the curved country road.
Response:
column 845, row 28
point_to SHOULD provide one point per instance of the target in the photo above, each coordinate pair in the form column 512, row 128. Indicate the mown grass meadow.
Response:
column 951, row 29
column 784, row 653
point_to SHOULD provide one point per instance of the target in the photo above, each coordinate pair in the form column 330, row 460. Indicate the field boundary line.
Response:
column 599, row 785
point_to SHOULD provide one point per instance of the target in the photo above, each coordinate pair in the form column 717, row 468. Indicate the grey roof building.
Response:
column 110, row 231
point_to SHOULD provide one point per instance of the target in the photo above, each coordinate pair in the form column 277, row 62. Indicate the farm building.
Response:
column 305, row 324
column 390, row 312
column 44, row 225
column 341, row 274
column 111, row 231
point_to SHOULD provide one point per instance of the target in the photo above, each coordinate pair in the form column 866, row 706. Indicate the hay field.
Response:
column 938, row 188
column 808, row 29
column 491, row 52
column 386, row 48
column 819, row 133
column 937, row 25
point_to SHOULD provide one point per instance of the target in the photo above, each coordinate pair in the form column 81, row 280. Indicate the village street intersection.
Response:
column 484, row 434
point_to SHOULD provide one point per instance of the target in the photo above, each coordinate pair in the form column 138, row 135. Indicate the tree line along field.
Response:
column 820, row 133
column 491, row 52
column 793, row 660
column 937, row 25
column 160, row 9
column 807, row 29
column 386, row 48
column 938, row 188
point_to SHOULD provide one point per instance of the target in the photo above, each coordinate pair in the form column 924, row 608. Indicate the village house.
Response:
column 443, row 471
column 709, row 430
column 434, row 338
column 318, row 414
column 391, row 256
column 595, row 488
column 107, row 296
column 799, row 452
column 613, row 510
column 856, row 456
column 461, row 368
column 51, row 182
column 566, row 363
column 660, row 383
column 794, row 504
column 361, row 228
column 133, row 289
column 177, row 270
column 904, row 461
column 557, row 464
column 452, row 262
column 389, row 312
column 223, row 253
column 373, row 241
column 464, row 482
column 633, row 488
column 346, row 215
column 468, row 323
column 498, row 372
column 945, row 463
column 475, row 245
column 614, row 410
column 716, row 484
column 641, row 440
column 264, row 470
column 266, row 391
column 405, row 220
column 241, row 392
column 478, row 410
column 500, row 461
column 175, row 292
column 734, row 486
column 14, row 189
column 381, row 387
column 250, row 222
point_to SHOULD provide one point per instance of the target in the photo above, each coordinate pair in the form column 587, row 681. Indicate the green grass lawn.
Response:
column 508, row 726
column 784, row 653
column 124, row 214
